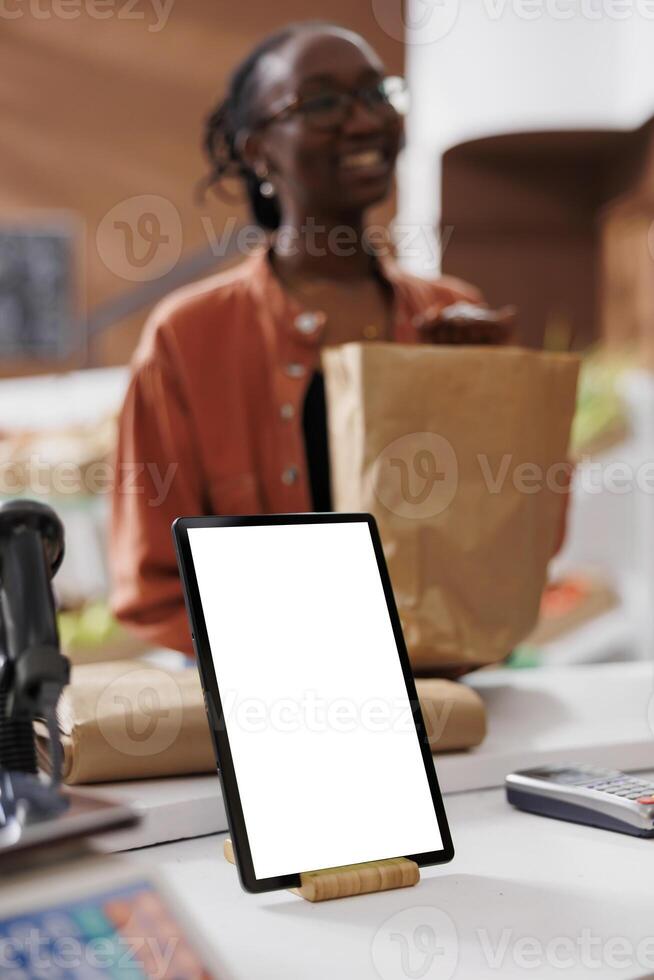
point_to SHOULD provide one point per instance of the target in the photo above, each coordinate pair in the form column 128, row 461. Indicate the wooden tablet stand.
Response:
column 352, row 879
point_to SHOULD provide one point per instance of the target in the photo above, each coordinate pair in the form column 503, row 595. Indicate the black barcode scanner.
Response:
column 33, row 671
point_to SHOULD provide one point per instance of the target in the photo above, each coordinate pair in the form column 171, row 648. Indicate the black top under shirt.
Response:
column 314, row 423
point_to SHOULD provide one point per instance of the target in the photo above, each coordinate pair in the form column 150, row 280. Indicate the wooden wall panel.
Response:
column 556, row 223
column 627, row 262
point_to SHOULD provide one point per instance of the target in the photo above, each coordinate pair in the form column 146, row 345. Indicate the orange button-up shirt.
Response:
column 212, row 423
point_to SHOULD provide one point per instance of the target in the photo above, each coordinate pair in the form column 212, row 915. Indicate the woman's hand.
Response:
column 466, row 323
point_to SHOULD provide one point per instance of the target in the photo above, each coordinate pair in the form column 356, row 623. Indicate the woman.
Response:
column 225, row 412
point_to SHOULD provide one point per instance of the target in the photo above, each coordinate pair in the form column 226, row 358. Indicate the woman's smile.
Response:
column 365, row 164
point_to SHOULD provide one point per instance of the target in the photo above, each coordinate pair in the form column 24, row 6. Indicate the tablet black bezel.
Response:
column 231, row 796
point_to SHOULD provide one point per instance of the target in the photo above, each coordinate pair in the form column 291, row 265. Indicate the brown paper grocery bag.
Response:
column 460, row 453
column 123, row 720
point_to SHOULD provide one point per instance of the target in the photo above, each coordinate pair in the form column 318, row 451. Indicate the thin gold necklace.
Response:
column 309, row 321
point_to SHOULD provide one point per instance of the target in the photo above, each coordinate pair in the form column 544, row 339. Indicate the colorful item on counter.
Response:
column 601, row 418
column 568, row 603
column 92, row 633
column 127, row 933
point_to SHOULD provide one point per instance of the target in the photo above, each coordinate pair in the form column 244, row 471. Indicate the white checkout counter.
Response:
column 525, row 896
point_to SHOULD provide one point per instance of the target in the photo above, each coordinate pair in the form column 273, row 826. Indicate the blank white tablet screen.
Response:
column 325, row 751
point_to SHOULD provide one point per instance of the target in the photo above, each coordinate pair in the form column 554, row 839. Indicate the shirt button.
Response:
column 290, row 475
column 287, row 411
column 295, row 370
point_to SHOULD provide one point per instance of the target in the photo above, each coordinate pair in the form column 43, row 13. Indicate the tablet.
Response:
column 319, row 738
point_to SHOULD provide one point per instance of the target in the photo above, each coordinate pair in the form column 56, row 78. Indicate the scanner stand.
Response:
column 34, row 811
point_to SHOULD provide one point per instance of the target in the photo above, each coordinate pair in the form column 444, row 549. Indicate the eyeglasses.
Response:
column 330, row 109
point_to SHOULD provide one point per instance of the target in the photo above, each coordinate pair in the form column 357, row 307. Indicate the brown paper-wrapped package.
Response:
column 129, row 720
column 123, row 720
column 455, row 715
column 460, row 453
